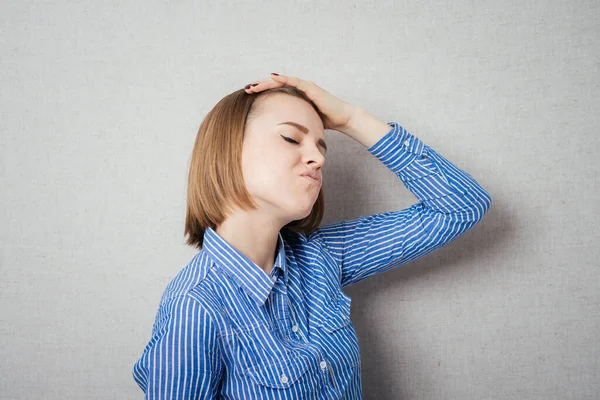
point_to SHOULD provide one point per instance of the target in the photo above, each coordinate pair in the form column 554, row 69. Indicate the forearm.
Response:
column 365, row 128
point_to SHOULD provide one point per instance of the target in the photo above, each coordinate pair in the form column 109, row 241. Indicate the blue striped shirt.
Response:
column 225, row 329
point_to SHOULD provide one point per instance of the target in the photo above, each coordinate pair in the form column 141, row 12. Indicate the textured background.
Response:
column 100, row 104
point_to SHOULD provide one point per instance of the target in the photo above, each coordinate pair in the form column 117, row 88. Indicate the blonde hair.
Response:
column 215, row 181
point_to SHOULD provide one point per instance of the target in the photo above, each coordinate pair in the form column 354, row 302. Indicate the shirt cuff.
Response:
column 398, row 148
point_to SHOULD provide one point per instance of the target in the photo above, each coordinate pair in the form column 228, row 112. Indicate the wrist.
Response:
column 365, row 128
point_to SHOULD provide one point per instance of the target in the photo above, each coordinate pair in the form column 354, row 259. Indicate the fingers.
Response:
column 302, row 84
column 277, row 81
column 259, row 86
column 288, row 80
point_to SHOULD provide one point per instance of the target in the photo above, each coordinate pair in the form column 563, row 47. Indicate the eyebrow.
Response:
column 305, row 130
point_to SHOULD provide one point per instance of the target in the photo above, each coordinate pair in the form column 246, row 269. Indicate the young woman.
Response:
column 259, row 311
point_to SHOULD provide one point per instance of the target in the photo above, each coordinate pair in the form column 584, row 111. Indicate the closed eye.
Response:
column 289, row 139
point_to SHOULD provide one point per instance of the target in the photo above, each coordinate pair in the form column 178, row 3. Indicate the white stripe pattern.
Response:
column 225, row 329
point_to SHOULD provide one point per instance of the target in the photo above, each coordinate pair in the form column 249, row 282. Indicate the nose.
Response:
column 314, row 155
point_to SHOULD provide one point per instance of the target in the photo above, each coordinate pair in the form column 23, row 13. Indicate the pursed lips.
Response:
column 313, row 178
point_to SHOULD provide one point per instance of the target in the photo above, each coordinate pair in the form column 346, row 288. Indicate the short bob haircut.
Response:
column 215, row 182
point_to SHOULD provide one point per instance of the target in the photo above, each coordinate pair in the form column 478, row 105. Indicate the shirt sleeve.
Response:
column 181, row 361
column 451, row 202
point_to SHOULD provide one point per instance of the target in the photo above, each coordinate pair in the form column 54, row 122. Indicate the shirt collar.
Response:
column 247, row 275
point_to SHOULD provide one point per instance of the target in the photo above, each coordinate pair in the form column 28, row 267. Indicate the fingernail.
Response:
column 273, row 73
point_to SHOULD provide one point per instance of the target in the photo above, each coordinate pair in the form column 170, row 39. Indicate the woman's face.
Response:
column 272, row 165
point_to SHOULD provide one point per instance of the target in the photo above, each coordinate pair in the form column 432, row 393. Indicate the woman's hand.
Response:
column 337, row 112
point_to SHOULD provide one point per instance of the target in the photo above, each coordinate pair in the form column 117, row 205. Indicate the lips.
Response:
column 313, row 180
column 313, row 177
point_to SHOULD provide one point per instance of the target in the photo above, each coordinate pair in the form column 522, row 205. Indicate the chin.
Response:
column 302, row 212
column 309, row 210
column 301, row 209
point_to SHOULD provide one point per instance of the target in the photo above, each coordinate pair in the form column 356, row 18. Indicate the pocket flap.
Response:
column 280, row 374
column 339, row 313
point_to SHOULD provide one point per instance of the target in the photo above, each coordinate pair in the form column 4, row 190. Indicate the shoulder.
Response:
column 187, row 297
column 190, row 282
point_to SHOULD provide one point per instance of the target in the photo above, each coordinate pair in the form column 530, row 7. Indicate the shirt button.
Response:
column 274, row 278
column 406, row 142
column 295, row 328
column 323, row 365
column 283, row 379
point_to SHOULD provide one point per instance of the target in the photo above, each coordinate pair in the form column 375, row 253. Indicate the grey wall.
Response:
column 100, row 103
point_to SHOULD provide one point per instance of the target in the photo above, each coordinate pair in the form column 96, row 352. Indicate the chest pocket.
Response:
column 338, row 333
column 338, row 313
column 280, row 374
column 270, row 366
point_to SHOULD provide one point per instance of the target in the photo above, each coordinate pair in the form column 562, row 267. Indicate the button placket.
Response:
column 295, row 327
column 325, row 365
